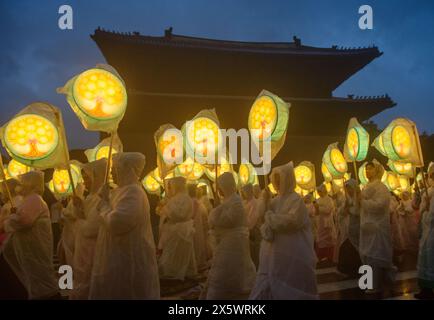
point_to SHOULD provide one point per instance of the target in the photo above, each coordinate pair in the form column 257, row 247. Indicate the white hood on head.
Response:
column 96, row 172
column 226, row 183
column 129, row 167
column 287, row 178
column 178, row 185
column 34, row 180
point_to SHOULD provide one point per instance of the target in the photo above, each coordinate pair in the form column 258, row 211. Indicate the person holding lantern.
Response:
column 349, row 259
column 287, row 257
column 29, row 247
column 201, row 232
column 251, row 207
column 125, row 264
column 407, row 224
column 325, row 210
column 178, row 260
column 87, row 227
column 425, row 263
column 232, row 272
column 375, row 230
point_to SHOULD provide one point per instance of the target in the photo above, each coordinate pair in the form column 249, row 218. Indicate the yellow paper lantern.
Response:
column 61, row 180
column 263, row 117
column 325, row 172
column 197, row 172
column 15, row 168
column 100, row 94
column 203, row 137
column 335, row 161
column 31, row 137
column 151, row 185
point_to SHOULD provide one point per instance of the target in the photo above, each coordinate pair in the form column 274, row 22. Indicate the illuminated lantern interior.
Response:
column 223, row 167
column 197, row 172
column 15, row 168
column 326, row 173
column 392, row 181
column 263, row 117
column 246, row 174
column 151, row 185
column 328, row 186
column 156, row 175
column 404, row 183
column 405, row 168
column 338, row 160
column 31, row 137
column 170, row 148
column 103, row 152
column 61, row 181
column 100, row 94
column 271, row 188
column 401, row 141
column 185, row 168
column 362, row 174
column 303, row 175
column 203, row 136
column 353, row 143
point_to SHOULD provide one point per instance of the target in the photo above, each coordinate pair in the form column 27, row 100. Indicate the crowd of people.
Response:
column 250, row 243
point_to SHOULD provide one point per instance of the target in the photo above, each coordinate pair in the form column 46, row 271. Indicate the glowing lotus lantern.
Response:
column 326, row 173
column 339, row 183
column 169, row 143
column 356, row 143
column 305, row 175
column 156, row 175
column 402, row 168
column 362, row 174
column 151, row 185
column 223, row 166
column 61, row 182
column 202, row 137
column 15, row 168
column 246, row 174
column 268, row 120
column 335, row 161
column 196, row 173
column 35, row 137
column 98, row 97
column 102, row 149
column 271, row 188
column 401, row 142
column 184, row 169
column 404, row 183
column 390, row 179
column 379, row 144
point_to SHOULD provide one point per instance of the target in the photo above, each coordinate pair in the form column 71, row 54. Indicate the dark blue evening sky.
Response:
column 36, row 56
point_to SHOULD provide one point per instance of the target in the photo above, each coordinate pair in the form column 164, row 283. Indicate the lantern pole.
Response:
column 355, row 171
column 8, row 191
column 419, row 153
column 107, row 170
column 65, row 149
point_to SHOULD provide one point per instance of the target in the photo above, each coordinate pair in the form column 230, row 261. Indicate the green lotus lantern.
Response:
column 362, row 174
column 268, row 121
column 379, row 144
column 334, row 161
column 390, row 179
column 356, row 143
column 151, row 185
column 401, row 142
column 401, row 168
column 305, row 175
column 246, row 174
column 98, row 97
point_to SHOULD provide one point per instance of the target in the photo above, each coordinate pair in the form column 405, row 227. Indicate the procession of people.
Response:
column 263, row 247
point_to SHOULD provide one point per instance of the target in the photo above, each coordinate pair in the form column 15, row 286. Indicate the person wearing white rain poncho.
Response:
column 68, row 218
column 87, row 227
column 29, row 247
column 326, row 234
column 287, row 258
column 232, row 272
column 425, row 264
column 125, row 265
column 177, row 260
column 375, row 245
column 251, row 206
